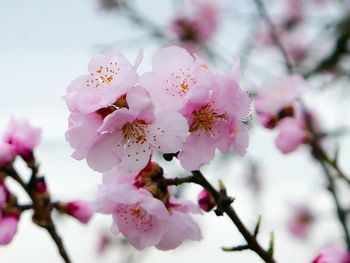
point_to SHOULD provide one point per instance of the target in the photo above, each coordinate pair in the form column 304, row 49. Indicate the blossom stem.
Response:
column 252, row 243
column 263, row 13
column 42, row 208
column 321, row 156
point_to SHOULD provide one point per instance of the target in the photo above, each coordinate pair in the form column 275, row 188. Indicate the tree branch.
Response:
column 42, row 208
column 198, row 178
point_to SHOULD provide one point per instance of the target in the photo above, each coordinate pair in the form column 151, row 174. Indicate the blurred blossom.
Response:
column 276, row 99
column 80, row 210
column 197, row 27
column 23, row 137
column 7, row 153
column 103, row 241
column 300, row 221
column 332, row 254
column 291, row 134
column 8, row 228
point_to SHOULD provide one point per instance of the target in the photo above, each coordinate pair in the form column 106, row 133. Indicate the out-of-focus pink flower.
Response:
column 23, row 137
column 332, row 254
column 8, row 228
column 196, row 28
column 205, row 200
column 129, row 136
column 294, row 11
column 7, row 153
column 140, row 217
column 295, row 45
column 291, row 134
column 80, row 210
column 103, row 241
column 277, row 97
column 300, row 222
column 171, row 85
column 110, row 76
column 214, row 113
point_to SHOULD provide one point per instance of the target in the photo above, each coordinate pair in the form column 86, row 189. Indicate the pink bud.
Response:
column 206, row 201
column 8, row 228
column 80, row 210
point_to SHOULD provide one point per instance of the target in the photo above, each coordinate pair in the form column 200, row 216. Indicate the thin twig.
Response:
column 198, row 178
column 41, row 209
column 263, row 13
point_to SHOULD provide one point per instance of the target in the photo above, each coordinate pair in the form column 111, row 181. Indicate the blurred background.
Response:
column 46, row 44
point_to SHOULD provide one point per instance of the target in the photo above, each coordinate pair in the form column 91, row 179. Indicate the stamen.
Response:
column 135, row 131
column 205, row 117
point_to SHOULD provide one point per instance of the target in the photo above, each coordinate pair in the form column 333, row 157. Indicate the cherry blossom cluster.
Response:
column 277, row 108
column 19, row 141
column 119, row 119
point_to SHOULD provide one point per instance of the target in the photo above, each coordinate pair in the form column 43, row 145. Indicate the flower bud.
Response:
column 206, row 201
column 80, row 210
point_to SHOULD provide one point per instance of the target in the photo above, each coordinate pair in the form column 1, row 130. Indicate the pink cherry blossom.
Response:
column 82, row 132
column 300, row 222
column 214, row 113
column 291, row 134
column 7, row 153
column 140, row 217
column 332, row 254
column 181, row 226
column 23, row 137
column 171, row 85
column 145, row 215
column 129, row 135
column 277, row 95
column 8, row 228
column 205, row 200
column 110, row 76
column 80, row 210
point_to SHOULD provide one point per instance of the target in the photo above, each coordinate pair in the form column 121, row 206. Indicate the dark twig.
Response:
column 263, row 13
column 42, row 207
column 198, row 178
column 341, row 212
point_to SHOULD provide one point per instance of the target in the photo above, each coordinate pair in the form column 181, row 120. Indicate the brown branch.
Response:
column 253, row 244
column 42, row 207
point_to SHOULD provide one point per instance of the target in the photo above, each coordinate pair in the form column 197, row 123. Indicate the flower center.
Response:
column 135, row 132
column 205, row 117
column 104, row 75
column 136, row 216
column 119, row 103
